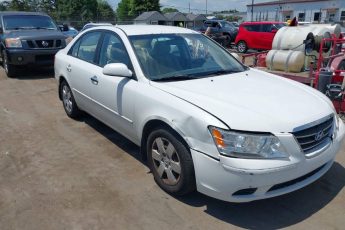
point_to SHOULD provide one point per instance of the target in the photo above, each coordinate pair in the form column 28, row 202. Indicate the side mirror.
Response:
column 65, row 27
column 274, row 30
column 117, row 69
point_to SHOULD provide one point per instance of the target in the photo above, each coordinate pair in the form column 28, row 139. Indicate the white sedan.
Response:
column 202, row 119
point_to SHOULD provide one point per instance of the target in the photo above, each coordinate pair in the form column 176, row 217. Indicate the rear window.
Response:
column 22, row 22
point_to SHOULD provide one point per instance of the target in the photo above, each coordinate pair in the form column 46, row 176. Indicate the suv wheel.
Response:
column 242, row 47
column 228, row 40
column 9, row 69
column 68, row 101
column 170, row 162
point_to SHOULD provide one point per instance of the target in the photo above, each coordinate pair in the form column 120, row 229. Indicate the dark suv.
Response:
column 28, row 38
column 222, row 27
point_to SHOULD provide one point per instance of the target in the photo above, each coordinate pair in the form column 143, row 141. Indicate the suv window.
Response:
column 85, row 48
column 113, row 51
column 253, row 28
column 211, row 24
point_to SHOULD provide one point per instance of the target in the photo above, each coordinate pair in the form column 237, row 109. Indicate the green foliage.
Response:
column 123, row 9
column 104, row 11
column 129, row 9
column 65, row 10
column 169, row 10
column 19, row 5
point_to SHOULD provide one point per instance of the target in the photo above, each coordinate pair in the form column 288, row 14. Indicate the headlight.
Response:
column 244, row 145
column 13, row 43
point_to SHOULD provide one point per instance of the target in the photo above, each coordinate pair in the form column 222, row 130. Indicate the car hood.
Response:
column 34, row 34
column 253, row 100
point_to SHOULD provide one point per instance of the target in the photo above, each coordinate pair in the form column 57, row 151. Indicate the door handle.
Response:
column 69, row 68
column 94, row 80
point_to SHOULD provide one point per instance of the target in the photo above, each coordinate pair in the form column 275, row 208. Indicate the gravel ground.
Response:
column 58, row 173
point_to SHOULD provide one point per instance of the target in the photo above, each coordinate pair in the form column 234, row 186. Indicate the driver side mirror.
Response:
column 274, row 30
column 117, row 69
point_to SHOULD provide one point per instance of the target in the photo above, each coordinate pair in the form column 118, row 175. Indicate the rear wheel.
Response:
column 242, row 47
column 170, row 162
column 9, row 69
column 68, row 101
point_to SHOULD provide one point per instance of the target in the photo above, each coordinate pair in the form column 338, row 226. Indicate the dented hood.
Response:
column 253, row 100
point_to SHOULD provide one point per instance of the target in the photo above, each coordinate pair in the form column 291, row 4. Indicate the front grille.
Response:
column 316, row 137
column 44, row 44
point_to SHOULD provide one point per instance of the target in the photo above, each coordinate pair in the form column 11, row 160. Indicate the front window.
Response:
column 22, row 22
column 182, row 56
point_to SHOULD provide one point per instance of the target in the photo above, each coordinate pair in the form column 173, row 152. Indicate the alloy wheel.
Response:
column 166, row 161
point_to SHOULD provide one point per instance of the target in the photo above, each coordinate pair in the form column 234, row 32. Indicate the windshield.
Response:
column 178, row 56
column 227, row 25
column 22, row 22
column 280, row 25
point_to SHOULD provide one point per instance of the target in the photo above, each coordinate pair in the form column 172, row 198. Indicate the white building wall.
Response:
column 329, row 9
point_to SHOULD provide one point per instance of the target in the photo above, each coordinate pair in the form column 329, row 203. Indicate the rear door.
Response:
column 81, row 67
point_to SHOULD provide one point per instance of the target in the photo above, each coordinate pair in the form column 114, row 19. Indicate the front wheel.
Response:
column 9, row 69
column 242, row 47
column 170, row 162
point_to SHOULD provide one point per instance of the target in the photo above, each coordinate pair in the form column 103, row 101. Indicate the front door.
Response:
column 114, row 95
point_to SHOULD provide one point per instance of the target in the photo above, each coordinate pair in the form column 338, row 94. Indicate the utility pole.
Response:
column 252, row 10
column 189, row 7
column 206, row 7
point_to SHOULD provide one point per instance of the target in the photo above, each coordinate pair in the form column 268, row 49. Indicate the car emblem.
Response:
column 45, row 43
column 319, row 136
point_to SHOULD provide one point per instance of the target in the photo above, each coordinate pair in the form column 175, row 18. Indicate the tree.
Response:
column 129, row 9
column 169, row 10
column 138, row 7
column 83, row 10
column 104, row 11
column 123, row 9
column 19, row 5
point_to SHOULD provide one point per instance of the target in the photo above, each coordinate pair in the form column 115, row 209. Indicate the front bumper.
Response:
column 240, row 182
column 32, row 56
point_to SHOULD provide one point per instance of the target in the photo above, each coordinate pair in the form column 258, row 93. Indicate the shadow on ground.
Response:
column 34, row 73
column 274, row 213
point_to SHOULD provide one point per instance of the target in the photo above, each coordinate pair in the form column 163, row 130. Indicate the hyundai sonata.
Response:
column 202, row 119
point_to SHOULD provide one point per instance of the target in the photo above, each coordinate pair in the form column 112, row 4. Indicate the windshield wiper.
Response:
column 43, row 28
column 221, row 72
column 176, row 78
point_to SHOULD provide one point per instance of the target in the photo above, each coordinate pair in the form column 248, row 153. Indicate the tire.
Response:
column 228, row 41
column 10, row 70
column 170, row 162
column 242, row 47
column 68, row 101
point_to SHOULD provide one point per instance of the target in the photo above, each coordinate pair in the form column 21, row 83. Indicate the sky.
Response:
column 199, row 6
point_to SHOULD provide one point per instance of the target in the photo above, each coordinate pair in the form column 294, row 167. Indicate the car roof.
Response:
column 22, row 13
column 260, row 23
column 154, row 29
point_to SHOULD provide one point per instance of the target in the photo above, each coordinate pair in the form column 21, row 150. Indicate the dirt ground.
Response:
column 58, row 173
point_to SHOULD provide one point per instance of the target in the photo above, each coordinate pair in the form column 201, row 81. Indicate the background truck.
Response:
column 28, row 38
